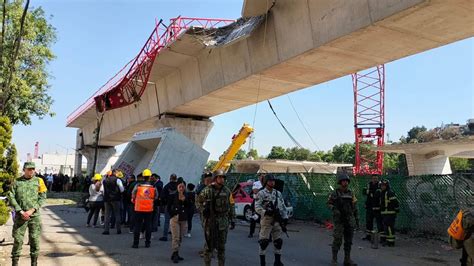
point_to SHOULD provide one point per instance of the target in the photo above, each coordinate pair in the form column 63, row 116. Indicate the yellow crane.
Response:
column 237, row 142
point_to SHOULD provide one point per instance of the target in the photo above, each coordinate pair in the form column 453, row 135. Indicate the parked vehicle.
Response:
column 243, row 201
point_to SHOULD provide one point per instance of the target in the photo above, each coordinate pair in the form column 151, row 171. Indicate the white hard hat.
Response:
column 257, row 185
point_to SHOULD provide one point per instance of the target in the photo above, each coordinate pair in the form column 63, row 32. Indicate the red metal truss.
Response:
column 128, row 85
column 369, row 119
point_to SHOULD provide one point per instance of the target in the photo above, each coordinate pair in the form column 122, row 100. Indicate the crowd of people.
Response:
column 136, row 202
column 60, row 182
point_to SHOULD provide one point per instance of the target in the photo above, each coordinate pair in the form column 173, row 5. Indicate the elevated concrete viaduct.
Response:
column 299, row 44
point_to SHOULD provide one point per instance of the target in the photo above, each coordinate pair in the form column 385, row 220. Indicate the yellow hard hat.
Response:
column 119, row 174
column 146, row 172
column 97, row 177
column 109, row 173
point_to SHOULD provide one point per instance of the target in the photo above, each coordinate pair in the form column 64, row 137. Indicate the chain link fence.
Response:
column 428, row 204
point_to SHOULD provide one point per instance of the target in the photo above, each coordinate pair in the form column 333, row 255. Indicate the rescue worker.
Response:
column 389, row 207
column 218, row 214
column 372, row 207
column 270, row 205
column 26, row 196
column 461, row 235
column 343, row 204
column 144, row 196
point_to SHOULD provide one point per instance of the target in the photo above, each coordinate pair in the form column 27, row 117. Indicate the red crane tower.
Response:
column 369, row 119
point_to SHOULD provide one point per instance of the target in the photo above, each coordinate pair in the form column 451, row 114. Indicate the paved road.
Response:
column 66, row 241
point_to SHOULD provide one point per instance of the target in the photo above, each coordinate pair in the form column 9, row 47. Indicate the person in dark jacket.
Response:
column 113, row 189
column 372, row 207
column 389, row 207
column 156, row 212
column 191, row 195
column 167, row 194
column 177, row 207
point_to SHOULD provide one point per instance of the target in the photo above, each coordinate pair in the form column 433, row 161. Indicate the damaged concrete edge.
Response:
column 253, row 8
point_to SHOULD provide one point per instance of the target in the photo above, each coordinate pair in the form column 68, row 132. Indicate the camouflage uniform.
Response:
column 467, row 244
column 343, row 204
column 218, row 214
column 267, row 202
column 26, row 194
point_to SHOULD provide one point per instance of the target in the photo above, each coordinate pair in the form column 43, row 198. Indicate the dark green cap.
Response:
column 29, row 165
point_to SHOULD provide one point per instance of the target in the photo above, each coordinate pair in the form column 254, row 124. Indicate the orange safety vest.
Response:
column 144, row 198
column 455, row 230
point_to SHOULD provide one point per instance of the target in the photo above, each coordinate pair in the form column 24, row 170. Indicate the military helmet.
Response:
column 29, row 165
column 268, row 177
column 386, row 183
column 218, row 172
column 342, row 177
column 146, row 172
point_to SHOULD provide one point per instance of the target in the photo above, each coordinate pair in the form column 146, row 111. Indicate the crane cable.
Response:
column 284, row 128
column 302, row 124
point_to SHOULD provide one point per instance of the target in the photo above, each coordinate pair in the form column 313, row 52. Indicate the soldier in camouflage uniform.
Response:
column 218, row 214
column 467, row 241
column 343, row 204
column 269, row 202
column 26, row 196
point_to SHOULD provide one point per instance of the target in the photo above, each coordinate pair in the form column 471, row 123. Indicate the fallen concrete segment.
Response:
column 164, row 151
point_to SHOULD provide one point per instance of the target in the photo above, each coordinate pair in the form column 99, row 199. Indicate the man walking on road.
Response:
column 389, row 207
column 343, row 204
column 218, row 214
column 26, row 196
column 270, row 205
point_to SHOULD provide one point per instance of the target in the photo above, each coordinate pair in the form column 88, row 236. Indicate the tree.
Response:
column 316, row 156
column 252, row 154
column 344, row 153
column 391, row 163
column 25, row 53
column 459, row 164
column 413, row 135
column 298, row 154
column 277, row 152
column 11, row 161
column 240, row 155
column 210, row 165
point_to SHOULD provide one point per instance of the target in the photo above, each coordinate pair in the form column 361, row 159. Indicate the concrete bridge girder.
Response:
column 301, row 43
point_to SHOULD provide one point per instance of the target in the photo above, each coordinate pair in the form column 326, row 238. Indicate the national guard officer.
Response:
column 343, row 204
column 271, row 207
column 218, row 213
column 26, row 196
column 372, row 207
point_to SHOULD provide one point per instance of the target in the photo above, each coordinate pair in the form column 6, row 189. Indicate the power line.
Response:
column 302, row 124
column 284, row 128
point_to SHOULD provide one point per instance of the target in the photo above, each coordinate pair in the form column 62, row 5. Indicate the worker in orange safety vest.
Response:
column 143, row 198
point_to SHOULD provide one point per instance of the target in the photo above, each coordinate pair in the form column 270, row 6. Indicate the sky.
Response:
column 97, row 38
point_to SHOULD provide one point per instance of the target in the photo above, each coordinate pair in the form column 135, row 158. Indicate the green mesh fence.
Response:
column 428, row 204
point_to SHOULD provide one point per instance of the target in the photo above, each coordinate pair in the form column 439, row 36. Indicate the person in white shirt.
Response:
column 96, row 199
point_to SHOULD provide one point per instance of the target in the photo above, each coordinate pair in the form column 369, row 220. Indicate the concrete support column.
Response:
column 78, row 155
column 428, row 164
column 103, row 156
column 195, row 129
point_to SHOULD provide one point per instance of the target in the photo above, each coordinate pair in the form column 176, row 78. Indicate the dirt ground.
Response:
column 66, row 241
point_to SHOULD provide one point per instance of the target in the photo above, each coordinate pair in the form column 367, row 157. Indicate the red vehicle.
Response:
column 243, row 201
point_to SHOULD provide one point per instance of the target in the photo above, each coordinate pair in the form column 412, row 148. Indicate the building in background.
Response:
column 61, row 163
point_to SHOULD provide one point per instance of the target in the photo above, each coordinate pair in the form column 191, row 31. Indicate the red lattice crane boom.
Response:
column 369, row 119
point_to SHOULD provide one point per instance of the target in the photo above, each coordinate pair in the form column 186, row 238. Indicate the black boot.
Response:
column 262, row 260
column 334, row 258
column 179, row 257
column 277, row 260
column 347, row 259
column 174, row 257
column 34, row 261
column 15, row 261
